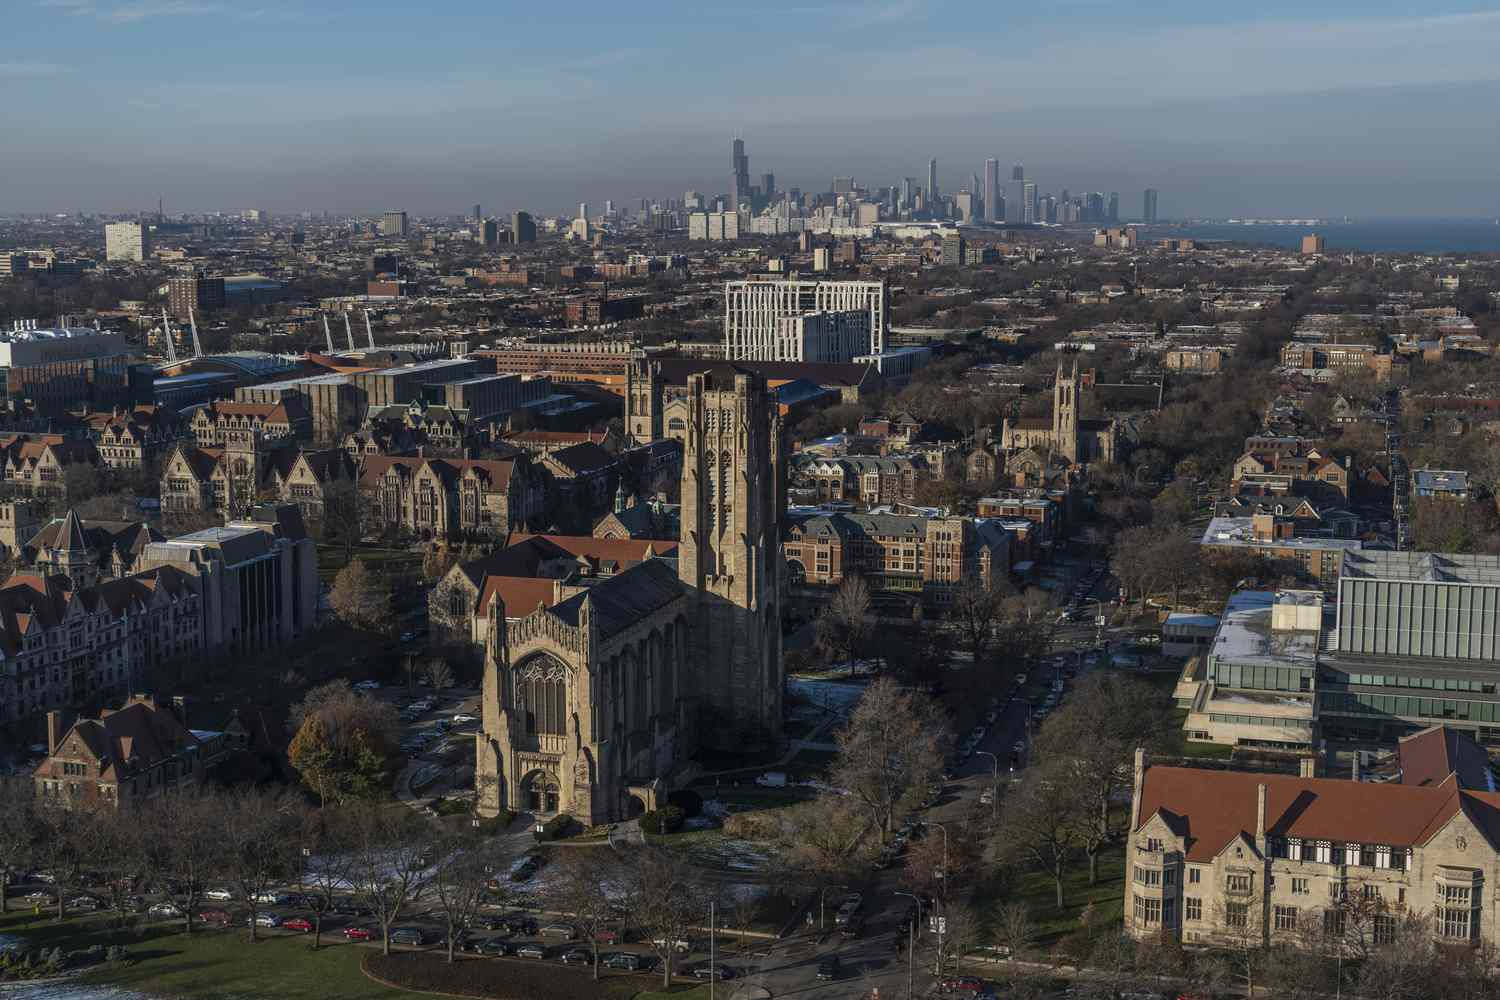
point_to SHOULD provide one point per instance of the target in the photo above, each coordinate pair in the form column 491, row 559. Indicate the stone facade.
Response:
column 1066, row 433
column 454, row 498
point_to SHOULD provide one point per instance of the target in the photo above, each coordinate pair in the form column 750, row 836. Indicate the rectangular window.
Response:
column 1169, row 876
column 1237, row 914
column 1285, row 918
column 1192, row 908
column 1193, row 875
column 1385, row 928
column 1333, row 923
column 1147, row 911
column 1238, row 883
column 1299, row 887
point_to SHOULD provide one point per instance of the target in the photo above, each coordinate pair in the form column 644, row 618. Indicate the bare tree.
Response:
column 1041, row 822
column 184, row 835
column 463, row 868
column 344, row 515
column 18, row 829
column 583, row 889
column 889, row 752
column 440, row 674
column 1014, row 928
column 327, row 863
column 256, row 842
column 845, row 622
column 65, row 839
column 391, row 854
column 666, row 901
column 973, row 612
column 960, row 934
column 361, row 598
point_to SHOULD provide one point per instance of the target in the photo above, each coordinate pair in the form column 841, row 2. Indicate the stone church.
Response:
column 1065, row 434
column 592, row 706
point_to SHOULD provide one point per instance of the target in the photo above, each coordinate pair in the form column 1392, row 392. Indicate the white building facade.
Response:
column 754, row 310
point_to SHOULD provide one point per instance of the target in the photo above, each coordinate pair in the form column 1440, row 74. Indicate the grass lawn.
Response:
column 212, row 965
column 1035, row 889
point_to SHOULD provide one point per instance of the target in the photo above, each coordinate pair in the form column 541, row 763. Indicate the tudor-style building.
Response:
column 453, row 498
column 1224, row 857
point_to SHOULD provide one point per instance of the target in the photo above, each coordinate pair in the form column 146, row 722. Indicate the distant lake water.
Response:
column 1429, row 236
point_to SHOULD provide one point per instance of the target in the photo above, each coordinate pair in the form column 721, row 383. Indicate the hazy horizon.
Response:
column 1336, row 110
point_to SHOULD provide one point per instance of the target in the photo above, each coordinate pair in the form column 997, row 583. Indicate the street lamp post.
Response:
column 911, row 938
column 712, row 969
column 941, row 921
column 994, row 785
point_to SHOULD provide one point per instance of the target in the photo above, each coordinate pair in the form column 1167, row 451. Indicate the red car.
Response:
column 298, row 924
column 220, row 917
column 607, row 936
column 963, row 984
column 359, row 934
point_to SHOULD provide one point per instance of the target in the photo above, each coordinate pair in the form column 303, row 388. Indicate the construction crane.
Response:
column 193, row 321
column 326, row 335
column 370, row 334
column 348, row 330
column 166, row 332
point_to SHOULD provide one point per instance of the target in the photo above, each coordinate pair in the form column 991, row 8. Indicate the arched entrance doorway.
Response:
column 540, row 793
column 634, row 806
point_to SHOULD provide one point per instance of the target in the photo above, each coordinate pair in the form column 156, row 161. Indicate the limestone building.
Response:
column 590, row 705
column 1066, row 434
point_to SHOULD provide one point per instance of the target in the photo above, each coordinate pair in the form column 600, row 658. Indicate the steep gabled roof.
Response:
column 625, row 599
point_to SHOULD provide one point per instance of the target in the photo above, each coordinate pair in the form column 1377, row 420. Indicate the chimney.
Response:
column 54, row 731
column 1260, row 816
column 1140, row 780
column 1308, row 767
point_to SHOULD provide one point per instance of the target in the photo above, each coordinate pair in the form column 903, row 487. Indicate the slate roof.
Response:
column 625, row 599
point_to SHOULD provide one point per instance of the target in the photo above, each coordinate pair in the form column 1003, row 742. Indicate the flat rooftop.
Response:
column 292, row 383
column 1238, row 532
column 1245, row 634
column 1423, row 567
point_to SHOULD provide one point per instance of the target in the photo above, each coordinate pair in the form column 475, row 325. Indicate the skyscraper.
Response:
column 1148, row 209
column 992, row 190
column 126, row 241
column 767, row 185
column 393, row 224
column 522, row 229
column 739, row 181
column 908, row 192
column 932, row 188
column 1018, row 173
column 1114, row 206
column 477, row 215
column 1028, row 202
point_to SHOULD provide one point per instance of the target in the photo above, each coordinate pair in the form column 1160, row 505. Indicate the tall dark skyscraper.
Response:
column 739, row 181
column 1148, row 208
column 932, row 188
column 1114, row 206
column 767, row 185
column 476, row 213
column 1018, row 173
column 992, row 191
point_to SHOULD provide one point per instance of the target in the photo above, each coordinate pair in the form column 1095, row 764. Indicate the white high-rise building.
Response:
column 832, row 337
column 580, row 227
column 126, row 241
column 753, row 311
column 992, row 191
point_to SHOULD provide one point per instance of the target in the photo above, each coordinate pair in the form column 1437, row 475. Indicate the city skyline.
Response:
column 311, row 110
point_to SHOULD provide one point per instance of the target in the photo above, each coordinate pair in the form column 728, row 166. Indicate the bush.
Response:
column 556, row 828
column 689, row 801
column 668, row 819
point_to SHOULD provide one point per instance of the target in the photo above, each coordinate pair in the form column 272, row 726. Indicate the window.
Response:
column 1238, row 883
column 1285, row 918
column 1147, row 911
column 1322, row 852
column 1168, row 913
column 1335, row 890
column 1237, row 915
column 1153, row 844
column 1385, row 928
column 1369, row 891
column 1193, row 875
column 1457, row 912
column 1333, row 923
column 1169, row 876
column 1299, row 887
column 1192, row 908
column 1147, row 876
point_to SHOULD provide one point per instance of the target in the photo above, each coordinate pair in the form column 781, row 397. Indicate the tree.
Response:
column 344, row 515
column 342, row 743
column 256, row 844
column 390, row 852
column 666, row 902
column 361, row 598
column 582, row 891
column 183, row 832
column 1014, row 928
column 17, row 833
column 440, row 674
column 1041, row 823
column 961, row 934
column 458, row 880
column 65, row 842
column 1093, row 736
column 327, row 865
column 825, row 839
column 845, row 622
column 889, row 752
column 973, row 611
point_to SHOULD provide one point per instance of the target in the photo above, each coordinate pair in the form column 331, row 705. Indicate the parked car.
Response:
column 708, row 971
column 627, row 960
column 407, row 935
column 829, row 968
column 359, row 933
column 219, row 918
column 495, row 946
column 485, row 922
column 83, row 903
column 963, row 984
column 367, row 686
column 218, row 893
column 298, row 924
column 531, row 950
column 682, row 945
column 164, row 910
column 271, row 898
column 263, row 920
column 853, row 927
column 564, row 931
column 576, row 956
column 520, row 925
column 607, row 935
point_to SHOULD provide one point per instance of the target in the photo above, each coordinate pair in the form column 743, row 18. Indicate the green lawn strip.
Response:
column 505, row 978
column 209, row 964
column 686, row 992
column 1035, row 889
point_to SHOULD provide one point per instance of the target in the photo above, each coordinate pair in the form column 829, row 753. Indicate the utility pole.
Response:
column 994, row 786
column 911, row 939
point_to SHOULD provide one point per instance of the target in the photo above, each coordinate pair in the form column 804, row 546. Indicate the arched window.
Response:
column 541, row 792
column 711, row 480
column 541, row 695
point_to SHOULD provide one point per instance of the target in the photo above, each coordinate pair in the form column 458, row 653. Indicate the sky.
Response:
column 1277, row 109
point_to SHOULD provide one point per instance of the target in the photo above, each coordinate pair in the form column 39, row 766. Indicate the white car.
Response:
column 367, row 686
column 219, row 894
column 164, row 910
column 460, row 720
column 271, row 898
